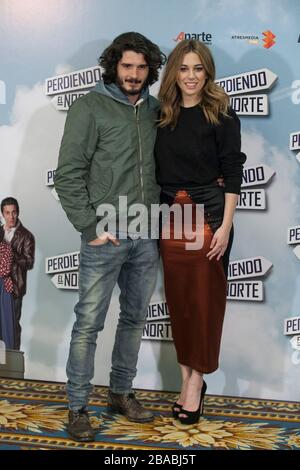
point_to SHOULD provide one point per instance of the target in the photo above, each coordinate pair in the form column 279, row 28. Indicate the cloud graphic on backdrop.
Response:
column 27, row 101
column 29, row 145
column 261, row 11
column 253, row 346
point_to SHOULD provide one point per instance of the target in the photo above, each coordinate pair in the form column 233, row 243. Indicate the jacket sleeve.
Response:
column 231, row 159
column 76, row 151
column 26, row 259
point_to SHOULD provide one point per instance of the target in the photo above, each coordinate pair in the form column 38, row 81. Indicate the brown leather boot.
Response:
column 79, row 426
column 129, row 406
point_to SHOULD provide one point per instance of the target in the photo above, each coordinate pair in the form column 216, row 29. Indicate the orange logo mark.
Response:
column 180, row 37
column 268, row 39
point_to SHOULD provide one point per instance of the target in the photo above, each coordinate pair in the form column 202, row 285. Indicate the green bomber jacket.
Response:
column 106, row 152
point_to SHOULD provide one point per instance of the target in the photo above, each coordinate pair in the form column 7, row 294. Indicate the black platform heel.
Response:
column 192, row 417
column 176, row 412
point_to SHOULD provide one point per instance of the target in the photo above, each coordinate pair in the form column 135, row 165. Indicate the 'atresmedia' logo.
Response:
column 268, row 39
column 204, row 37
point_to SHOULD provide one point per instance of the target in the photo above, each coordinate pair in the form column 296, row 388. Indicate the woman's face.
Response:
column 191, row 77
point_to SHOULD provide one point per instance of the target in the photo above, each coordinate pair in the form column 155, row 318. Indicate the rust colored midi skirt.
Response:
column 195, row 289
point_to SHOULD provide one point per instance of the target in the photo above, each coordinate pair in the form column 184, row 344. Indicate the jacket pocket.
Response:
column 100, row 188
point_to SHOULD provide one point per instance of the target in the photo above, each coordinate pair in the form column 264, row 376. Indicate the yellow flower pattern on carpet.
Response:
column 206, row 433
column 209, row 432
column 35, row 418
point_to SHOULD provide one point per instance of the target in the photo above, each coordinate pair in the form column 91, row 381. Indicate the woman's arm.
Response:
column 220, row 239
column 228, row 139
column 231, row 200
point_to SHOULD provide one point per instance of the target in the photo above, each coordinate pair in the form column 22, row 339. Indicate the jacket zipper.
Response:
column 141, row 153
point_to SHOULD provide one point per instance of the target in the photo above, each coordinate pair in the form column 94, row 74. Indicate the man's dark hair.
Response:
column 135, row 42
column 10, row 201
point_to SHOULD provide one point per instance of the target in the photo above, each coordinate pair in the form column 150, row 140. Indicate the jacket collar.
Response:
column 114, row 92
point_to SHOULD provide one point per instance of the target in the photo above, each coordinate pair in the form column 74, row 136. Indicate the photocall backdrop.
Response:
column 49, row 54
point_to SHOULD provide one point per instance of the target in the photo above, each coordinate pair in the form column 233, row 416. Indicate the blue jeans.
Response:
column 134, row 266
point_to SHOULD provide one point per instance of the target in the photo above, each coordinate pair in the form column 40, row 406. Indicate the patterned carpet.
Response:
column 33, row 416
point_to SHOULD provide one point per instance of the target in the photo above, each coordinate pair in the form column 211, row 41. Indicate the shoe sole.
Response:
column 82, row 439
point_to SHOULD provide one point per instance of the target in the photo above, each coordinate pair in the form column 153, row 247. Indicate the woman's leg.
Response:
column 192, row 392
column 185, row 374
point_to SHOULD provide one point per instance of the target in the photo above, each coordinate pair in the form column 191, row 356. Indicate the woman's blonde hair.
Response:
column 213, row 98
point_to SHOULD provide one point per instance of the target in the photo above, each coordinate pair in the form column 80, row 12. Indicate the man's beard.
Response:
column 132, row 92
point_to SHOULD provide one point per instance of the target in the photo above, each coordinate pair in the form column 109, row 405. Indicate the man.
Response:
column 23, row 245
column 107, row 152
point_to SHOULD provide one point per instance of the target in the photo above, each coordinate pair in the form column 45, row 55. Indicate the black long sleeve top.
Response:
column 196, row 153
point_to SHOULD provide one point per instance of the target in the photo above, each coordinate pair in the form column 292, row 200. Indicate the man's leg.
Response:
column 17, row 313
column 99, row 270
column 137, row 282
column 98, row 273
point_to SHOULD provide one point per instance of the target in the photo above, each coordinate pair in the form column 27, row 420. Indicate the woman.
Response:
column 198, row 140
column 7, row 327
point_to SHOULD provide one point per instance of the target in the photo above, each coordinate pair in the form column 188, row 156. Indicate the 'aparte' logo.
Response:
column 204, row 37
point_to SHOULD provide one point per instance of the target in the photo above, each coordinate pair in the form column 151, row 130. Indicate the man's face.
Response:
column 10, row 215
column 132, row 73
